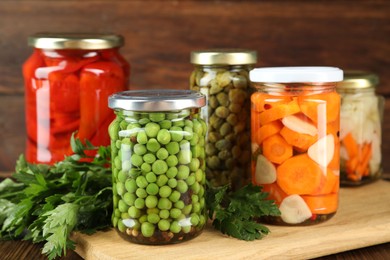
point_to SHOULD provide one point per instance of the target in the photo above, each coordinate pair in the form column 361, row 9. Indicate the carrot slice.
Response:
column 351, row 145
column 276, row 149
column 299, row 175
column 319, row 105
column 262, row 101
column 275, row 193
column 279, row 111
column 301, row 141
column 323, row 204
column 268, row 130
column 327, row 184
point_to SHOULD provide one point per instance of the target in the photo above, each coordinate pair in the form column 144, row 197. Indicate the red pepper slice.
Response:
column 65, row 92
column 98, row 81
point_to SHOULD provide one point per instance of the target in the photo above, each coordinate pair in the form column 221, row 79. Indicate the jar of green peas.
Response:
column 158, row 165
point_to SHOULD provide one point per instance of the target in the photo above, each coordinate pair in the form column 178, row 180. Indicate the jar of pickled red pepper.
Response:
column 222, row 75
column 68, row 79
column 295, row 115
column 360, row 128
column 158, row 165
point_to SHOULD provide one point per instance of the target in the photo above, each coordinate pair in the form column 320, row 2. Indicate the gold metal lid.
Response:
column 83, row 41
column 224, row 56
column 358, row 79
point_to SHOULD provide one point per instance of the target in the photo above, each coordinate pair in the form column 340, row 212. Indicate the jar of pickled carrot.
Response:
column 222, row 75
column 68, row 79
column 360, row 128
column 295, row 115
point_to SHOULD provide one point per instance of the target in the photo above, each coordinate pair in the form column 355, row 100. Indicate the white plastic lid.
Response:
column 296, row 74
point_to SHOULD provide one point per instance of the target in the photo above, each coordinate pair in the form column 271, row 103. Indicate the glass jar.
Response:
column 68, row 79
column 360, row 128
column 295, row 141
column 223, row 77
column 158, row 165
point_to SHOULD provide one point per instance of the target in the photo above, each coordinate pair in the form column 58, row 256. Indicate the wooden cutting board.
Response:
column 363, row 219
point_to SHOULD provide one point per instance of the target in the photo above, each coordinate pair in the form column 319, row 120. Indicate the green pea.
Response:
column 137, row 160
column 173, row 148
column 141, row 182
column 143, row 219
column 164, row 203
column 151, row 129
column 142, row 138
column 172, row 183
column 122, row 206
column 182, row 186
column 123, row 125
column 117, row 213
column 153, row 145
column 163, row 136
column 172, row 172
column 194, row 164
column 165, row 124
column 134, row 212
column 120, row 188
column 118, row 163
column 113, row 129
column 179, row 123
column 156, row 117
column 194, row 198
column 165, row 191
column 146, row 167
column 186, row 229
column 176, row 133
column 196, row 207
column 183, row 172
column 199, row 175
column 149, row 158
column 147, row 229
column 162, row 154
column 162, row 180
column 164, row 225
column 196, row 151
column 114, row 221
column 141, row 193
column 164, row 214
column 115, row 198
column 195, row 188
column 139, row 149
column 125, row 215
column 175, row 227
column 131, row 185
column 195, row 139
column 191, row 179
column 201, row 191
column 139, row 203
column 121, row 226
column 172, row 160
column 179, row 204
column 143, row 121
column 188, row 133
column 187, row 209
column 151, row 177
column 174, row 196
column 159, row 167
column 122, row 176
column 152, row 211
column 151, row 201
column 152, row 189
column 175, row 213
column 129, row 198
column 153, row 218
column 198, row 128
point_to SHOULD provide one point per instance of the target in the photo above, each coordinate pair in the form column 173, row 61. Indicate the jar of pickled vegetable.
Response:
column 360, row 128
column 158, row 165
column 68, row 79
column 223, row 77
column 295, row 141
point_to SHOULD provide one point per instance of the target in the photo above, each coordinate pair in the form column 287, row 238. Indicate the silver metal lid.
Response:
column 358, row 80
column 83, row 41
column 156, row 100
column 224, row 56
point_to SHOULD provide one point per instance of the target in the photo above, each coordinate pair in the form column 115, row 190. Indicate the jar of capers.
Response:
column 222, row 76
column 158, row 165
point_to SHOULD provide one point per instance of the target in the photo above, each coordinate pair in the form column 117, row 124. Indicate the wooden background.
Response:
column 161, row 34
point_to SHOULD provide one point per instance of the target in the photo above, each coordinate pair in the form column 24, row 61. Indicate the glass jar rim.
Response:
column 223, row 56
column 315, row 74
column 156, row 100
column 83, row 41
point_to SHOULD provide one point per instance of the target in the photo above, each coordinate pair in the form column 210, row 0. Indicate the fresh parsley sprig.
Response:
column 237, row 213
column 47, row 203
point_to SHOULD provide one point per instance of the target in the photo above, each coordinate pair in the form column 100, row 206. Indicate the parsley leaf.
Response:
column 237, row 213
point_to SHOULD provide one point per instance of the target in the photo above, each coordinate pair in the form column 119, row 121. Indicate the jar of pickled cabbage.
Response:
column 158, row 165
column 68, row 79
column 360, row 128
column 222, row 75
column 295, row 141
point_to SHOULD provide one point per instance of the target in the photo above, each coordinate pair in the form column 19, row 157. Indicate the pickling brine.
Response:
column 68, row 79
column 295, row 141
column 360, row 129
